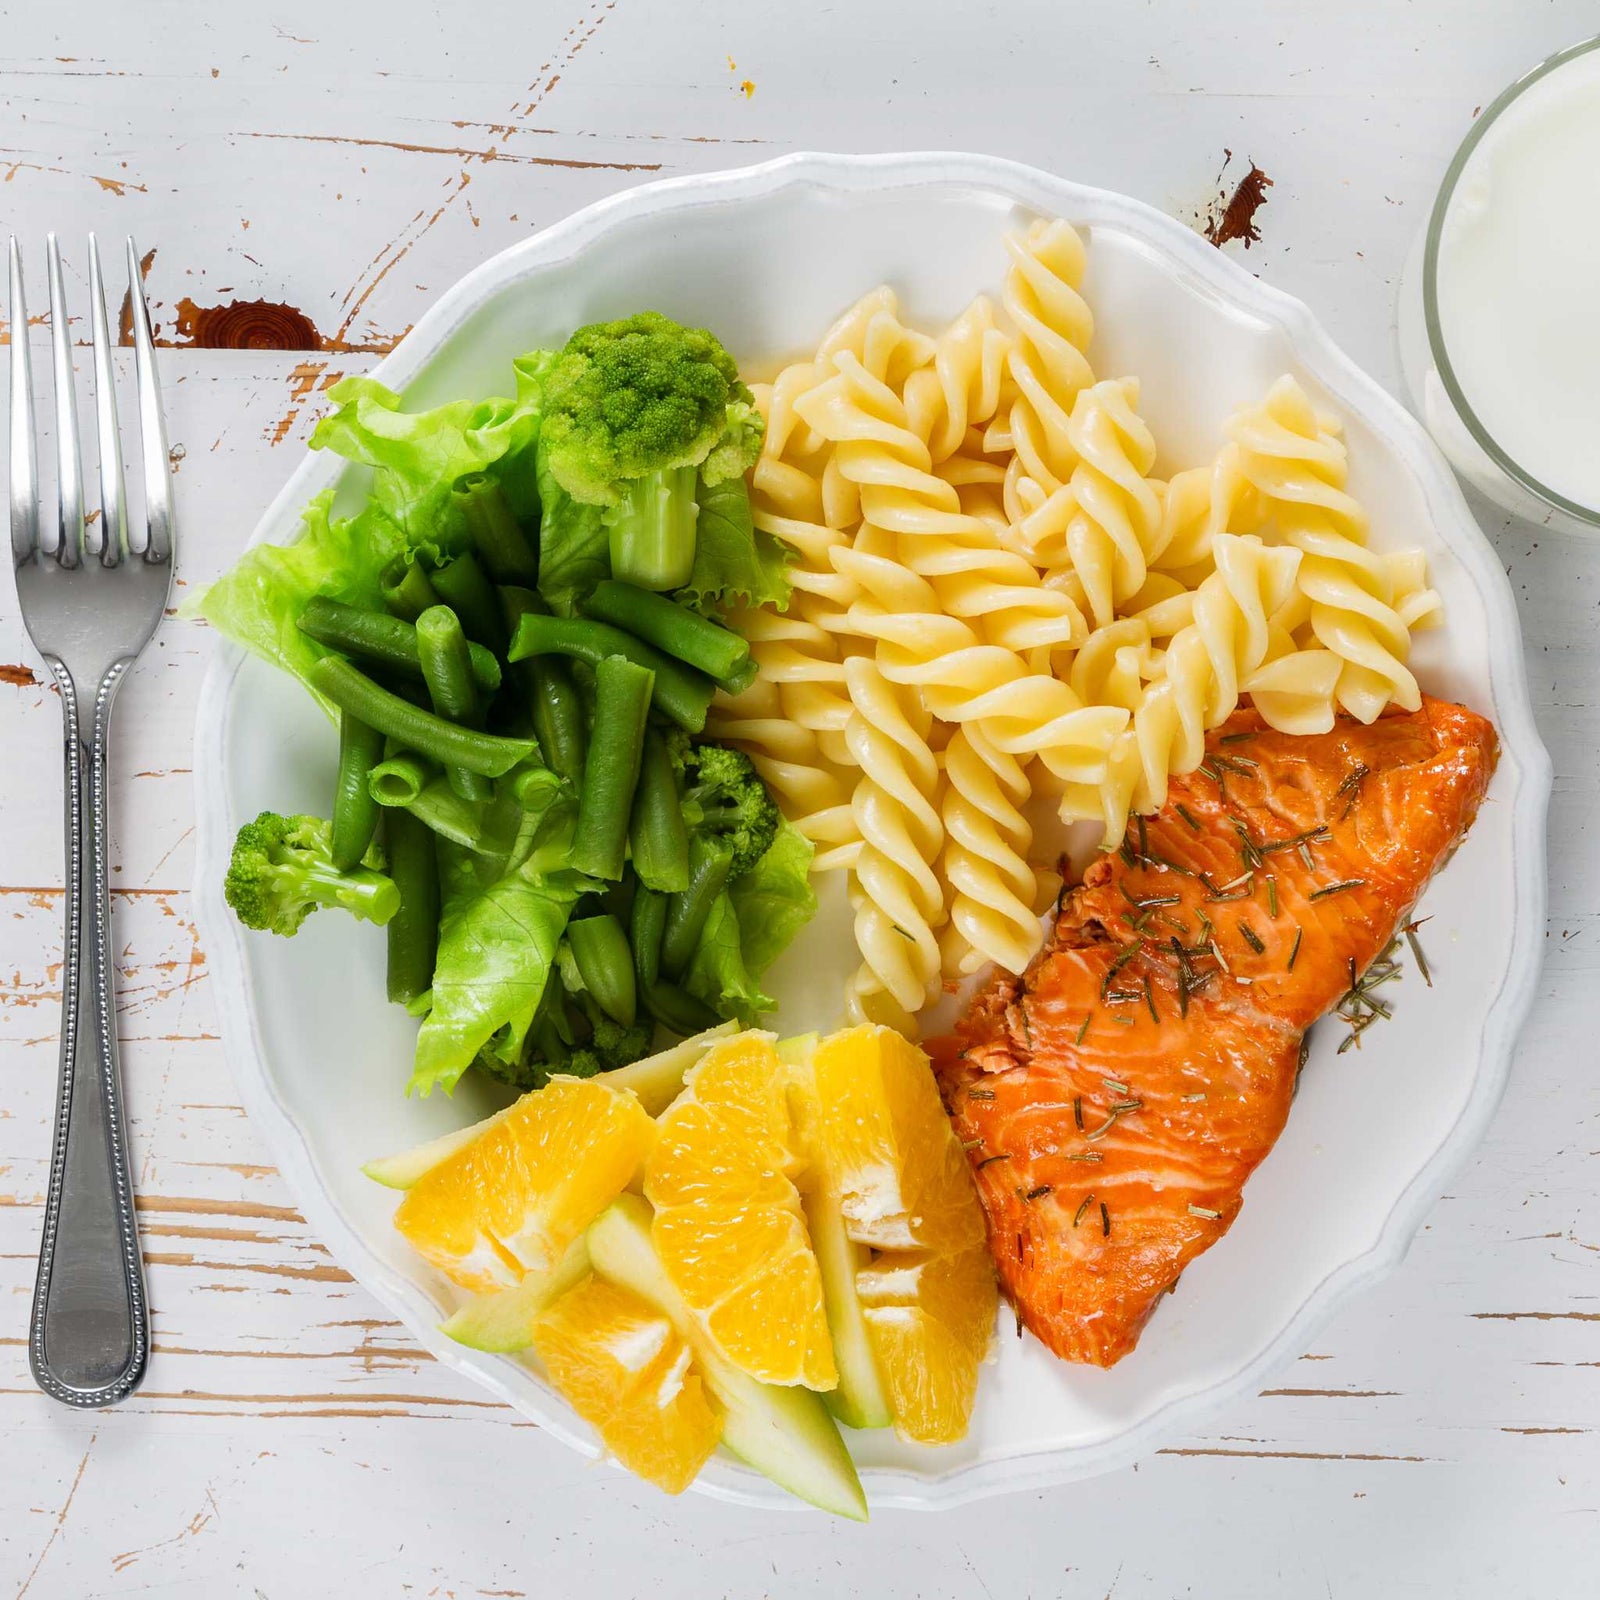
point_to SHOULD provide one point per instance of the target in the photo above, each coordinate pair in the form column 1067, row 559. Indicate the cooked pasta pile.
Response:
column 992, row 595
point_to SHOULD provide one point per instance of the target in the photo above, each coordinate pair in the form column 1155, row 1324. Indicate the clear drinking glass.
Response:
column 1436, row 391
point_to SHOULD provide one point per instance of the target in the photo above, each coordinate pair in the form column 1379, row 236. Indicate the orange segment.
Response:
column 625, row 1370
column 903, row 1176
column 514, row 1199
column 728, row 1224
column 886, row 1154
column 929, row 1320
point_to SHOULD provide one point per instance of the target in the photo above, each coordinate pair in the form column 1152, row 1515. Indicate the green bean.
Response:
column 709, row 863
column 534, row 788
column 355, row 812
column 678, row 1010
column 429, row 735
column 397, row 780
column 605, row 963
column 645, row 927
column 463, row 587
column 413, row 931
column 611, row 772
column 501, row 544
column 684, row 634
column 447, row 671
column 552, row 697
column 405, row 588
column 656, row 830
column 377, row 637
column 681, row 693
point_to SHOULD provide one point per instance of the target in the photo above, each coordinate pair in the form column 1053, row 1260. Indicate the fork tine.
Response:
column 24, row 455
column 69, row 471
column 112, row 541
column 152, row 425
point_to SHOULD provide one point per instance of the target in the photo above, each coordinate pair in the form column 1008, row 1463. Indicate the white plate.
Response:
column 767, row 256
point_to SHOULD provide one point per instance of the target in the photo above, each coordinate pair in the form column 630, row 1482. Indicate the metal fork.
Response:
column 91, row 597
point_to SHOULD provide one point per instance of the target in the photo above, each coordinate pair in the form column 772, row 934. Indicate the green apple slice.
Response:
column 658, row 1079
column 786, row 1434
column 501, row 1320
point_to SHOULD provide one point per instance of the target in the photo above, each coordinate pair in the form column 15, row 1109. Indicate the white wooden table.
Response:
column 1442, row 1437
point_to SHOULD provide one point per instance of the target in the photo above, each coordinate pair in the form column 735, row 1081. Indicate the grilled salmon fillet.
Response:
column 1114, row 1098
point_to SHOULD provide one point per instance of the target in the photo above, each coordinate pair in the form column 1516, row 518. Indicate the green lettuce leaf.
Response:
column 257, row 602
column 418, row 457
column 750, row 926
column 497, row 948
column 517, row 470
column 717, row 973
column 774, row 899
column 734, row 562
column 574, row 544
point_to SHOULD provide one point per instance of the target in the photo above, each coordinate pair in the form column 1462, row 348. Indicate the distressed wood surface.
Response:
column 326, row 171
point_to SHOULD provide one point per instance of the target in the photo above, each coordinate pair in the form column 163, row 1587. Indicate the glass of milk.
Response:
column 1500, row 303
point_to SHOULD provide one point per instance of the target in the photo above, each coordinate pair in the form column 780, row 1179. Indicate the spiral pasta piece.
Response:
column 899, row 901
column 964, row 680
column 1105, row 522
column 1046, row 363
column 961, row 389
column 972, row 576
column 1199, row 503
column 985, row 857
column 1296, row 461
column 1233, row 646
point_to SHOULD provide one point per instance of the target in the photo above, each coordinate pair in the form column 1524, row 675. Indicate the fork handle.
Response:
column 89, row 1337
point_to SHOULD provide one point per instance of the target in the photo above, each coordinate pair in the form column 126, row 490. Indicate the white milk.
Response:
column 1518, row 280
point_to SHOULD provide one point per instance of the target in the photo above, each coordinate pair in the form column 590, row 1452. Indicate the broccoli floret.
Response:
column 282, row 870
column 725, row 797
column 611, row 1045
column 527, row 1072
column 632, row 411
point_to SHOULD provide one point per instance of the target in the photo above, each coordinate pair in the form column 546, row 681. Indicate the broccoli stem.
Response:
column 611, row 773
column 652, row 529
column 369, row 895
column 414, row 929
column 386, row 641
column 501, row 544
column 656, row 830
column 408, row 725
column 710, row 863
column 605, row 963
column 691, row 638
column 355, row 812
column 681, row 693
column 447, row 671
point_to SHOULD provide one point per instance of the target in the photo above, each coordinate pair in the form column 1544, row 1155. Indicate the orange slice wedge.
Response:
column 626, row 1370
column 728, row 1223
column 515, row 1198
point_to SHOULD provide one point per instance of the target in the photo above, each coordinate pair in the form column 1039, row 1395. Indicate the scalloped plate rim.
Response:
column 1522, row 752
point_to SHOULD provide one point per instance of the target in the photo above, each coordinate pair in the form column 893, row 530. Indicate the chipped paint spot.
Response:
column 747, row 89
column 19, row 677
column 1233, row 216
column 243, row 325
